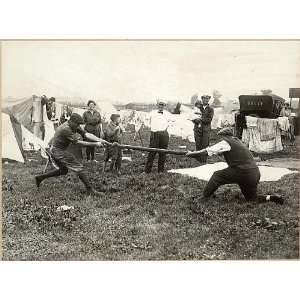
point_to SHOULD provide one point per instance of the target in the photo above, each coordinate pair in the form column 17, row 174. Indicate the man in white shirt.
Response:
column 242, row 170
column 159, row 123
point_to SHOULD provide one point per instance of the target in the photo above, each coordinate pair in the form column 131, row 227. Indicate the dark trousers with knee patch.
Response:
column 158, row 139
column 247, row 179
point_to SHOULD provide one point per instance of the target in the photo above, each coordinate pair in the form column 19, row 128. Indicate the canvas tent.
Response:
column 23, row 112
column 21, row 109
column 30, row 141
column 16, row 138
column 11, row 139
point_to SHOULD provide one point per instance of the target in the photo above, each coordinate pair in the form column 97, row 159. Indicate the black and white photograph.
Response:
column 150, row 150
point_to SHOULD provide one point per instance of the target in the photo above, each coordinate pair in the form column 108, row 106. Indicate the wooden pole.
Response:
column 147, row 149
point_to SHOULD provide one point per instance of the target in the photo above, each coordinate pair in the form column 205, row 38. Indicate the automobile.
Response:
column 263, row 106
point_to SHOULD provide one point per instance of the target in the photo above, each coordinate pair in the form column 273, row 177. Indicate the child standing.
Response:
column 113, row 133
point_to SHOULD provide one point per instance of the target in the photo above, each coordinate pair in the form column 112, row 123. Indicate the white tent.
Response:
column 10, row 145
column 30, row 141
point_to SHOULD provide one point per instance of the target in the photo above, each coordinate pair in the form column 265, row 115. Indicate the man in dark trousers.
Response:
column 242, row 170
column 202, row 126
column 159, row 123
column 63, row 137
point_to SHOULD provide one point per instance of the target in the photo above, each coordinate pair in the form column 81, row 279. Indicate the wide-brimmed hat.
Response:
column 91, row 101
column 76, row 118
column 226, row 131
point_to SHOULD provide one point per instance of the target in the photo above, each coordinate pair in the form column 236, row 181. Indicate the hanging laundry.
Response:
column 251, row 121
column 252, row 138
column 284, row 123
column 267, row 128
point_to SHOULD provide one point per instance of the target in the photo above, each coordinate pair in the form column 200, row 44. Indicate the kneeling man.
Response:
column 242, row 169
column 64, row 135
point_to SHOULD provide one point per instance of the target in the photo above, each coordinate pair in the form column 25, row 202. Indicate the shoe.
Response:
column 276, row 198
column 94, row 160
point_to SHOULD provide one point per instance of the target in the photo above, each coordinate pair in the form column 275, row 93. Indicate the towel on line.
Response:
column 267, row 129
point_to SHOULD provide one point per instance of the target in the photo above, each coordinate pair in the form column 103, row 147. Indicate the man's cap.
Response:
column 161, row 102
column 226, row 131
column 205, row 96
column 76, row 118
column 113, row 117
column 91, row 101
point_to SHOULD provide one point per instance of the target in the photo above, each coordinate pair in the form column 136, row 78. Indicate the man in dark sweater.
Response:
column 242, row 170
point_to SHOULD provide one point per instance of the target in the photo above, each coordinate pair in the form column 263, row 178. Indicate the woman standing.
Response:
column 92, row 120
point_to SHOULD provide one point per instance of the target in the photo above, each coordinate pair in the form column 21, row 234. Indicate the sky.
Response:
column 142, row 71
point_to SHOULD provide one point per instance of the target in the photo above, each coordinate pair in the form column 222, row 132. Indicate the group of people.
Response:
column 160, row 121
column 242, row 169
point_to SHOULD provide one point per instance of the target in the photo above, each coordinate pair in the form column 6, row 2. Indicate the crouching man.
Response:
column 242, row 170
column 64, row 135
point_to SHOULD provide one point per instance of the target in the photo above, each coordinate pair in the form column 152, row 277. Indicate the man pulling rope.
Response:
column 64, row 136
column 242, row 170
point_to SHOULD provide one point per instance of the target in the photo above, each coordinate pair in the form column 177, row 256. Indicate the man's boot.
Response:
column 89, row 189
column 197, row 203
column 276, row 198
column 40, row 178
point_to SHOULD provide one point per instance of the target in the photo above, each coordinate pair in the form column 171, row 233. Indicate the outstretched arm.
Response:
column 93, row 140
column 95, row 144
column 216, row 149
column 196, row 153
column 92, row 137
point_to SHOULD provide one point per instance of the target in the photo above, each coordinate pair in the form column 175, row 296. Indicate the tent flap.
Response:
column 10, row 143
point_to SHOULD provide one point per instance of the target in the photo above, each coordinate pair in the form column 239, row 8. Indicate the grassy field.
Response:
column 146, row 218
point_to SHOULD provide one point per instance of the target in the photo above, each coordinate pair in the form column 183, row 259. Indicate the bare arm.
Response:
column 92, row 137
column 84, row 143
column 196, row 153
column 216, row 149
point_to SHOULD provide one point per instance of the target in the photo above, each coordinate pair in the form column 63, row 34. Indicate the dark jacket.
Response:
column 92, row 122
column 207, row 116
column 113, row 132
